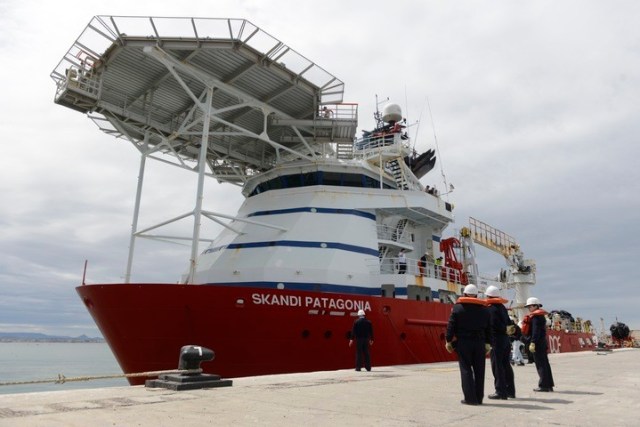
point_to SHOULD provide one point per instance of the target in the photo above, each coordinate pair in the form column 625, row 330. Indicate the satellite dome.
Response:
column 392, row 112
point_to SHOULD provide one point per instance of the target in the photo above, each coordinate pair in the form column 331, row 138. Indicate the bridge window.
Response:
column 332, row 178
column 318, row 178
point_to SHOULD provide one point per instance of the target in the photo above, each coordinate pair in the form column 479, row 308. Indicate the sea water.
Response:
column 44, row 361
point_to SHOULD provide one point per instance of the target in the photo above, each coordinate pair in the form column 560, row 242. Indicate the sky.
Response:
column 534, row 108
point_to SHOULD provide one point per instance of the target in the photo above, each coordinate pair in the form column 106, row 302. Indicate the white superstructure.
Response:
column 324, row 210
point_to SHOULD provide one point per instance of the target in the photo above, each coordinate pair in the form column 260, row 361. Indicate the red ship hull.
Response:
column 256, row 331
column 569, row 341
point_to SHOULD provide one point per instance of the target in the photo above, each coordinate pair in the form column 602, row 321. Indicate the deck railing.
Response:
column 390, row 234
column 392, row 266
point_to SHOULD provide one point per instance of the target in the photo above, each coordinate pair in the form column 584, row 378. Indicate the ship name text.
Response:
column 310, row 302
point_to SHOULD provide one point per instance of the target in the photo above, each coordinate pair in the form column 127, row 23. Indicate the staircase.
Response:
column 399, row 231
column 384, row 250
column 395, row 167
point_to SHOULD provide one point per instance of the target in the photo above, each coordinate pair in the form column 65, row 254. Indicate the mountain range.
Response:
column 38, row 337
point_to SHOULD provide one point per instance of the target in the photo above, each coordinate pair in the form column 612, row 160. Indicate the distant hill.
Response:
column 37, row 337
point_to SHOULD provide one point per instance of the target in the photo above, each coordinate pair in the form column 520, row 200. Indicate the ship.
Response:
column 332, row 222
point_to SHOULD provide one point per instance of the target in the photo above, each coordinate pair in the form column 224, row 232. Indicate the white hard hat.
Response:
column 533, row 301
column 470, row 290
column 492, row 291
column 361, row 313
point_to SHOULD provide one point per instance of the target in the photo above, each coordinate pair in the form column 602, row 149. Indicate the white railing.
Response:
column 392, row 266
column 391, row 141
column 388, row 233
column 342, row 111
column 104, row 31
column 80, row 80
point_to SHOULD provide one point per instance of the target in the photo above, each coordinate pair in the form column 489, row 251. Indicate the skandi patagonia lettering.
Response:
column 310, row 302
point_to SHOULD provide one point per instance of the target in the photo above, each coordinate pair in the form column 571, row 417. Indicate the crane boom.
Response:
column 521, row 272
column 492, row 238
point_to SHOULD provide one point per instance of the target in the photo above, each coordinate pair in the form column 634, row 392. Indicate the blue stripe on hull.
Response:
column 316, row 210
column 298, row 244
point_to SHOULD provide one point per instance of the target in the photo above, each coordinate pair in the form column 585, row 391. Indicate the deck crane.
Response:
column 520, row 273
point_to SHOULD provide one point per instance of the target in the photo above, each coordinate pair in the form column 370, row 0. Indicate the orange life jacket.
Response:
column 496, row 301
column 526, row 322
column 471, row 300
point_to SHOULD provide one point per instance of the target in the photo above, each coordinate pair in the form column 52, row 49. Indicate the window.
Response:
column 317, row 178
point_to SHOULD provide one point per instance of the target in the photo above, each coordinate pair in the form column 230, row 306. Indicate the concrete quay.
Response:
column 591, row 390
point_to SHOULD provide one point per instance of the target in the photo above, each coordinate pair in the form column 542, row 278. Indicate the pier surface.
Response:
column 591, row 390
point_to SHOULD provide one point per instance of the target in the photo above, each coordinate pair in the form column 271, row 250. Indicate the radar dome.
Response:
column 392, row 112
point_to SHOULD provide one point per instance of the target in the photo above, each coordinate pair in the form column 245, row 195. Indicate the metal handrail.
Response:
column 390, row 266
column 103, row 31
column 388, row 233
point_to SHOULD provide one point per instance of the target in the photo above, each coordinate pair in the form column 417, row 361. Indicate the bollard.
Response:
column 190, row 358
column 192, row 355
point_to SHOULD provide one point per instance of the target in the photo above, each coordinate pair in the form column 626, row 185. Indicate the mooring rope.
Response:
column 62, row 379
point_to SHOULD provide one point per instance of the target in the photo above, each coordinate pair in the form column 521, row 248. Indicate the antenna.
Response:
column 406, row 107
column 435, row 138
column 406, row 115
column 406, row 102
column 378, row 115
column 418, row 125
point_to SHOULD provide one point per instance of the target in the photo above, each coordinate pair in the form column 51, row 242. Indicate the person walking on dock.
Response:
column 469, row 324
column 535, row 325
column 362, row 334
